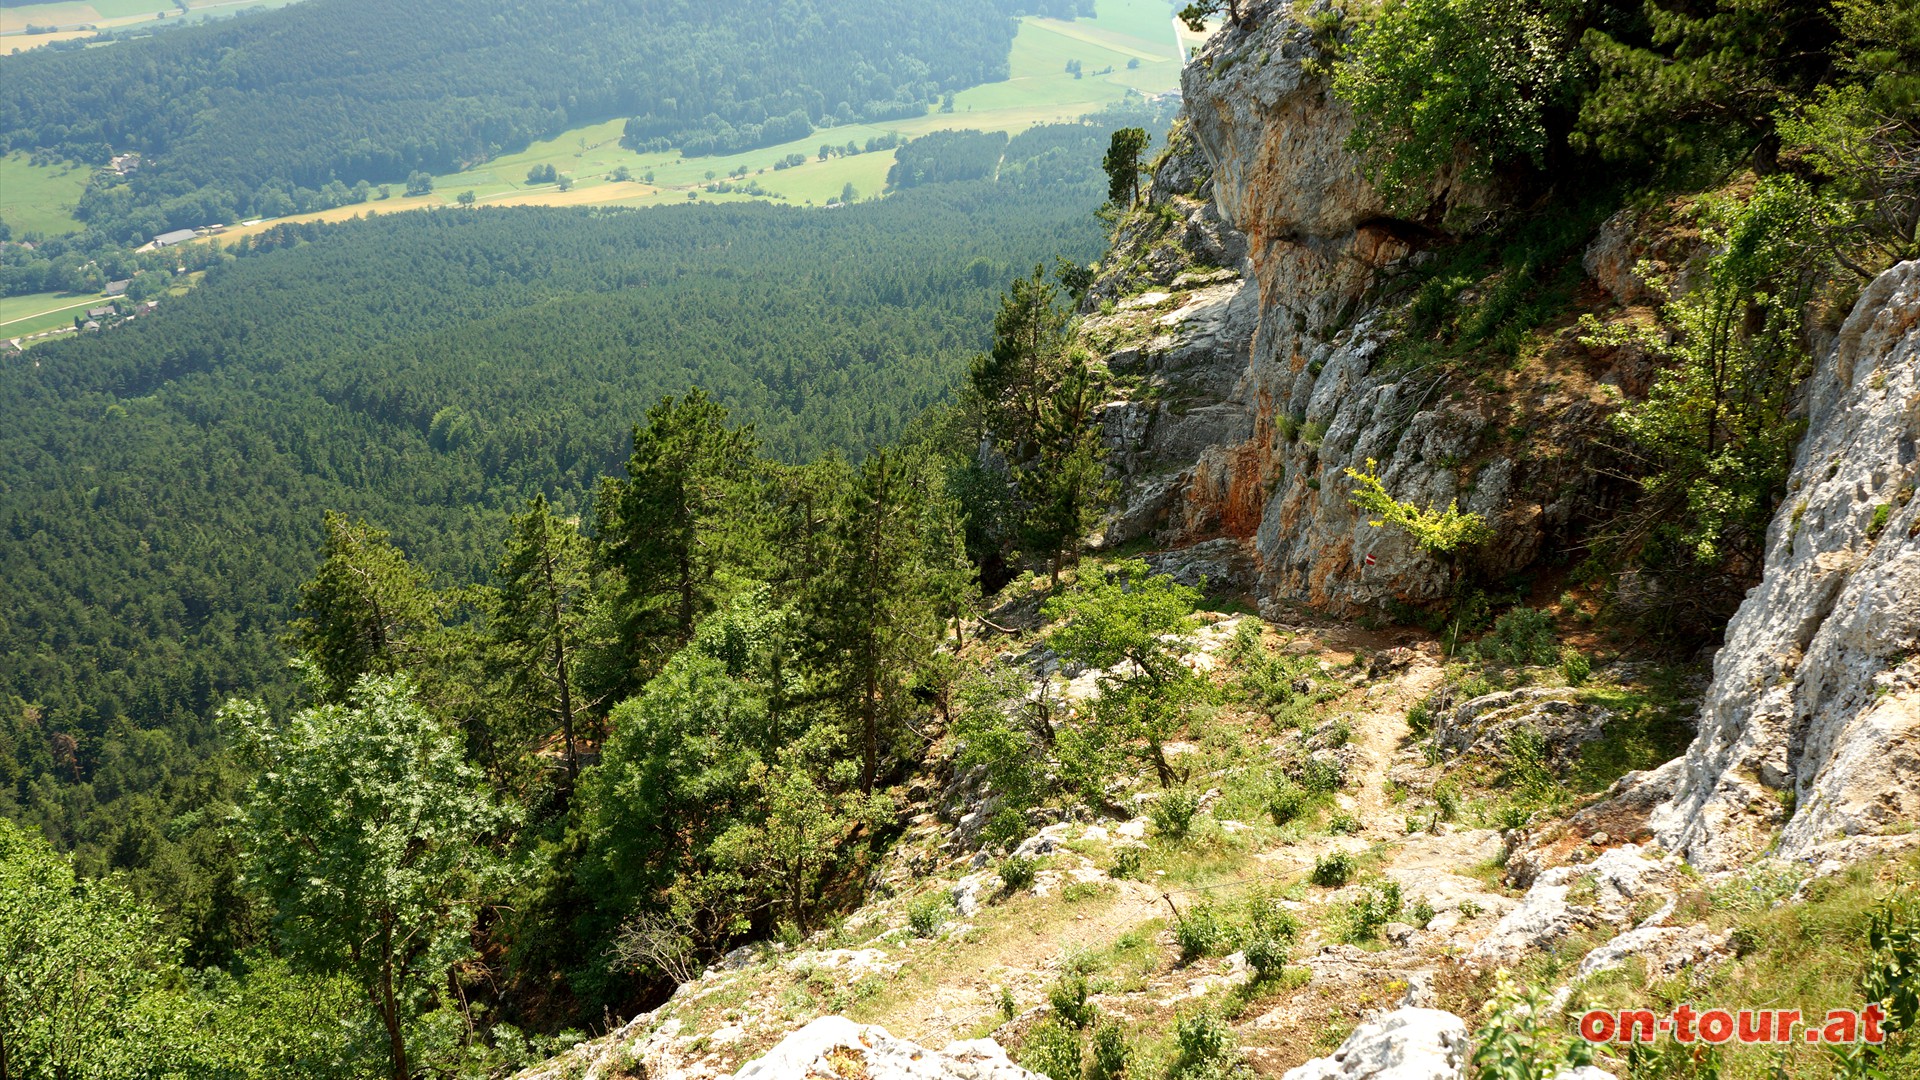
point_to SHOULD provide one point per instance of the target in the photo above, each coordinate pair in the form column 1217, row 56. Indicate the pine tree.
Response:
column 677, row 524
column 872, row 613
column 543, row 618
column 1122, row 164
column 1038, row 397
column 1013, row 381
column 1064, row 485
column 367, row 611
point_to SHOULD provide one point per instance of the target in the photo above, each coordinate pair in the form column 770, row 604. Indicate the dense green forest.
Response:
column 239, row 117
column 947, row 155
column 164, row 482
column 671, row 729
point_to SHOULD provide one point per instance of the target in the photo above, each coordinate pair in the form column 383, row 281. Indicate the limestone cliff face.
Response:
column 1253, row 393
column 1812, row 724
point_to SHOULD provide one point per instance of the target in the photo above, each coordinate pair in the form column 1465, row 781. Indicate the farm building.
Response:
column 177, row 236
column 117, row 288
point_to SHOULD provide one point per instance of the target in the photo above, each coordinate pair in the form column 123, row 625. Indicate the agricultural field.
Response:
column 84, row 18
column 21, row 316
column 40, row 198
column 1039, row 90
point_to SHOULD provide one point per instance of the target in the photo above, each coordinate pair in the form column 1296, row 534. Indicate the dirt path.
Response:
column 1380, row 731
column 960, row 980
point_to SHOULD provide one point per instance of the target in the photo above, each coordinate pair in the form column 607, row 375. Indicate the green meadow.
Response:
column 30, row 314
column 40, row 198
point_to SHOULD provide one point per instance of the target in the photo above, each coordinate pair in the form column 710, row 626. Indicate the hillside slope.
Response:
column 1498, row 808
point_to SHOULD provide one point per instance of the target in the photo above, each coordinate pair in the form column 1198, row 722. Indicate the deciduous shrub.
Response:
column 1017, row 872
column 1172, row 813
column 1068, row 997
column 1333, row 870
column 929, row 913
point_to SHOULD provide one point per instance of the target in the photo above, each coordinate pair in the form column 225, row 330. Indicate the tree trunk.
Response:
column 1162, row 770
column 870, row 766
column 686, row 592
column 560, row 665
column 390, row 1010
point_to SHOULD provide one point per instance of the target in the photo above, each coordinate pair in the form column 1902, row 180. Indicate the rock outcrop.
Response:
column 1406, row 1044
column 1247, row 399
column 834, row 1046
column 1607, row 892
column 1486, row 725
column 1811, row 728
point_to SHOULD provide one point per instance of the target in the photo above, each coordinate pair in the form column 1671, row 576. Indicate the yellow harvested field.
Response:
column 597, row 195
column 82, row 20
column 338, row 213
column 15, row 19
column 16, row 43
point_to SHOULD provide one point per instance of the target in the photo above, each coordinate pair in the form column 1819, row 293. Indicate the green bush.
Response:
column 1715, row 428
column 1375, row 907
column 1343, row 824
column 1172, row 813
column 1200, row 932
column 1521, row 636
column 927, row 914
column 1205, row 1047
column 1287, row 802
column 1266, row 956
column 1420, row 718
column 1421, row 912
column 1339, row 733
column 1427, row 78
column 1126, row 863
column 1333, row 869
column 1053, row 1050
column 1512, row 815
column 1525, row 769
column 1893, row 965
column 1574, row 666
column 1017, row 872
column 1319, row 776
column 1004, row 829
column 1110, row 1052
column 1271, row 680
column 1519, row 1041
column 1438, row 532
column 1068, row 997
